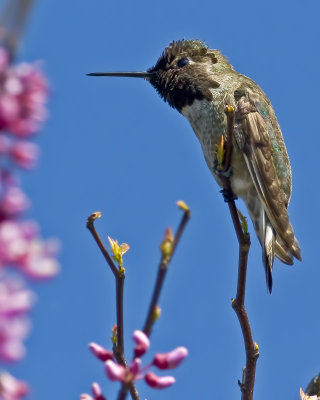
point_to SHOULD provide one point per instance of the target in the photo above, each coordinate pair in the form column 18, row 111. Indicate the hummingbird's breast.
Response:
column 209, row 122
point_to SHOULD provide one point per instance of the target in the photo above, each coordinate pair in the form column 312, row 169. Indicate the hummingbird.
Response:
column 199, row 83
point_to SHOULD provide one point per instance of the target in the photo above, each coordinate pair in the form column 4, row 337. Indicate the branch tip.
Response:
column 183, row 206
column 92, row 218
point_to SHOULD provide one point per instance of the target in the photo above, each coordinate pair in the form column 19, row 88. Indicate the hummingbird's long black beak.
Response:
column 143, row 74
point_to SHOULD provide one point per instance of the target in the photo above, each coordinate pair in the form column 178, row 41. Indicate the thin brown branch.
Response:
column 92, row 229
column 13, row 17
column 251, row 348
column 119, row 274
column 119, row 348
column 162, row 271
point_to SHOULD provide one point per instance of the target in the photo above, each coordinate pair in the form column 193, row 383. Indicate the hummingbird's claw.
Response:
column 217, row 170
column 228, row 195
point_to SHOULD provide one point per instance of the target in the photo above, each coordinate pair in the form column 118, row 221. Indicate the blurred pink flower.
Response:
column 24, row 154
column 12, row 388
column 142, row 343
column 21, row 247
column 159, row 382
column 134, row 371
column 15, row 303
column 100, row 352
column 23, row 96
column 15, row 299
column 13, row 331
column 13, row 202
column 96, row 391
column 170, row 360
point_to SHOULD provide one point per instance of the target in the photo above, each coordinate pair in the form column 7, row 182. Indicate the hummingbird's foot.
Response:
column 218, row 171
column 228, row 195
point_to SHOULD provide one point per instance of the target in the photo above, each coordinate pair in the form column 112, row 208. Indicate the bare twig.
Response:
column 251, row 348
column 162, row 271
column 119, row 274
column 13, row 18
column 92, row 229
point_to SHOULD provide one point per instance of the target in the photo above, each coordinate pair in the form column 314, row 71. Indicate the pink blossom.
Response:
column 96, row 391
column 170, row 360
column 5, row 144
column 15, row 303
column 100, row 352
column 24, row 154
column 142, row 343
column 39, row 261
column 20, row 246
column 135, row 366
column 13, row 202
column 135, row 371
column 13, row 332
column 158, row 382
column 9, row 110
column 13, row 244
column 23, row 95
column 115, row 372
column 14, row 298
column 12, row 388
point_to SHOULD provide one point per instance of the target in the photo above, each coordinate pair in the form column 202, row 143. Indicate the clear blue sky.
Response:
column 113, row 145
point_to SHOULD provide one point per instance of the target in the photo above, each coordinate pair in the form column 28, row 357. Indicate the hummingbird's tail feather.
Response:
column 296, row 249
column 287, row 251
column 283, row 254
column 268, row 249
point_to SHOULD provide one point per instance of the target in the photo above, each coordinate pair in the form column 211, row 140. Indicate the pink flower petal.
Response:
column 142, row 343
column 12, row 388
column 100, row 352
column 170, row 360
column 9, row 109
column 115, row 372
column 158, row 382
column 24, row 154
column 86, row 396
column 96, row 391
column 14, row 202
column 12, row 351
column 135, row 366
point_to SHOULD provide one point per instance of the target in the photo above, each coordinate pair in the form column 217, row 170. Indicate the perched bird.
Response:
column 199, row 83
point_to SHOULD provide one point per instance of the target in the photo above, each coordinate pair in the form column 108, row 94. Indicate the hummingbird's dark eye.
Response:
column 182, row 62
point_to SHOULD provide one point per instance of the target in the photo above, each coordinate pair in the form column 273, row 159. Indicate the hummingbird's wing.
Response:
column 253, row 138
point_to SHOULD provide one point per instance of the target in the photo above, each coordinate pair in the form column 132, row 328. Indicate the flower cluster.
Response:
column 23, row 97
column 135, row 371
column 15, row 302
column 23, row 94
column 11, row 388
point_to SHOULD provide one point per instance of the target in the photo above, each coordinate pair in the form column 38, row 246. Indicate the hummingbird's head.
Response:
column 186, row 70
